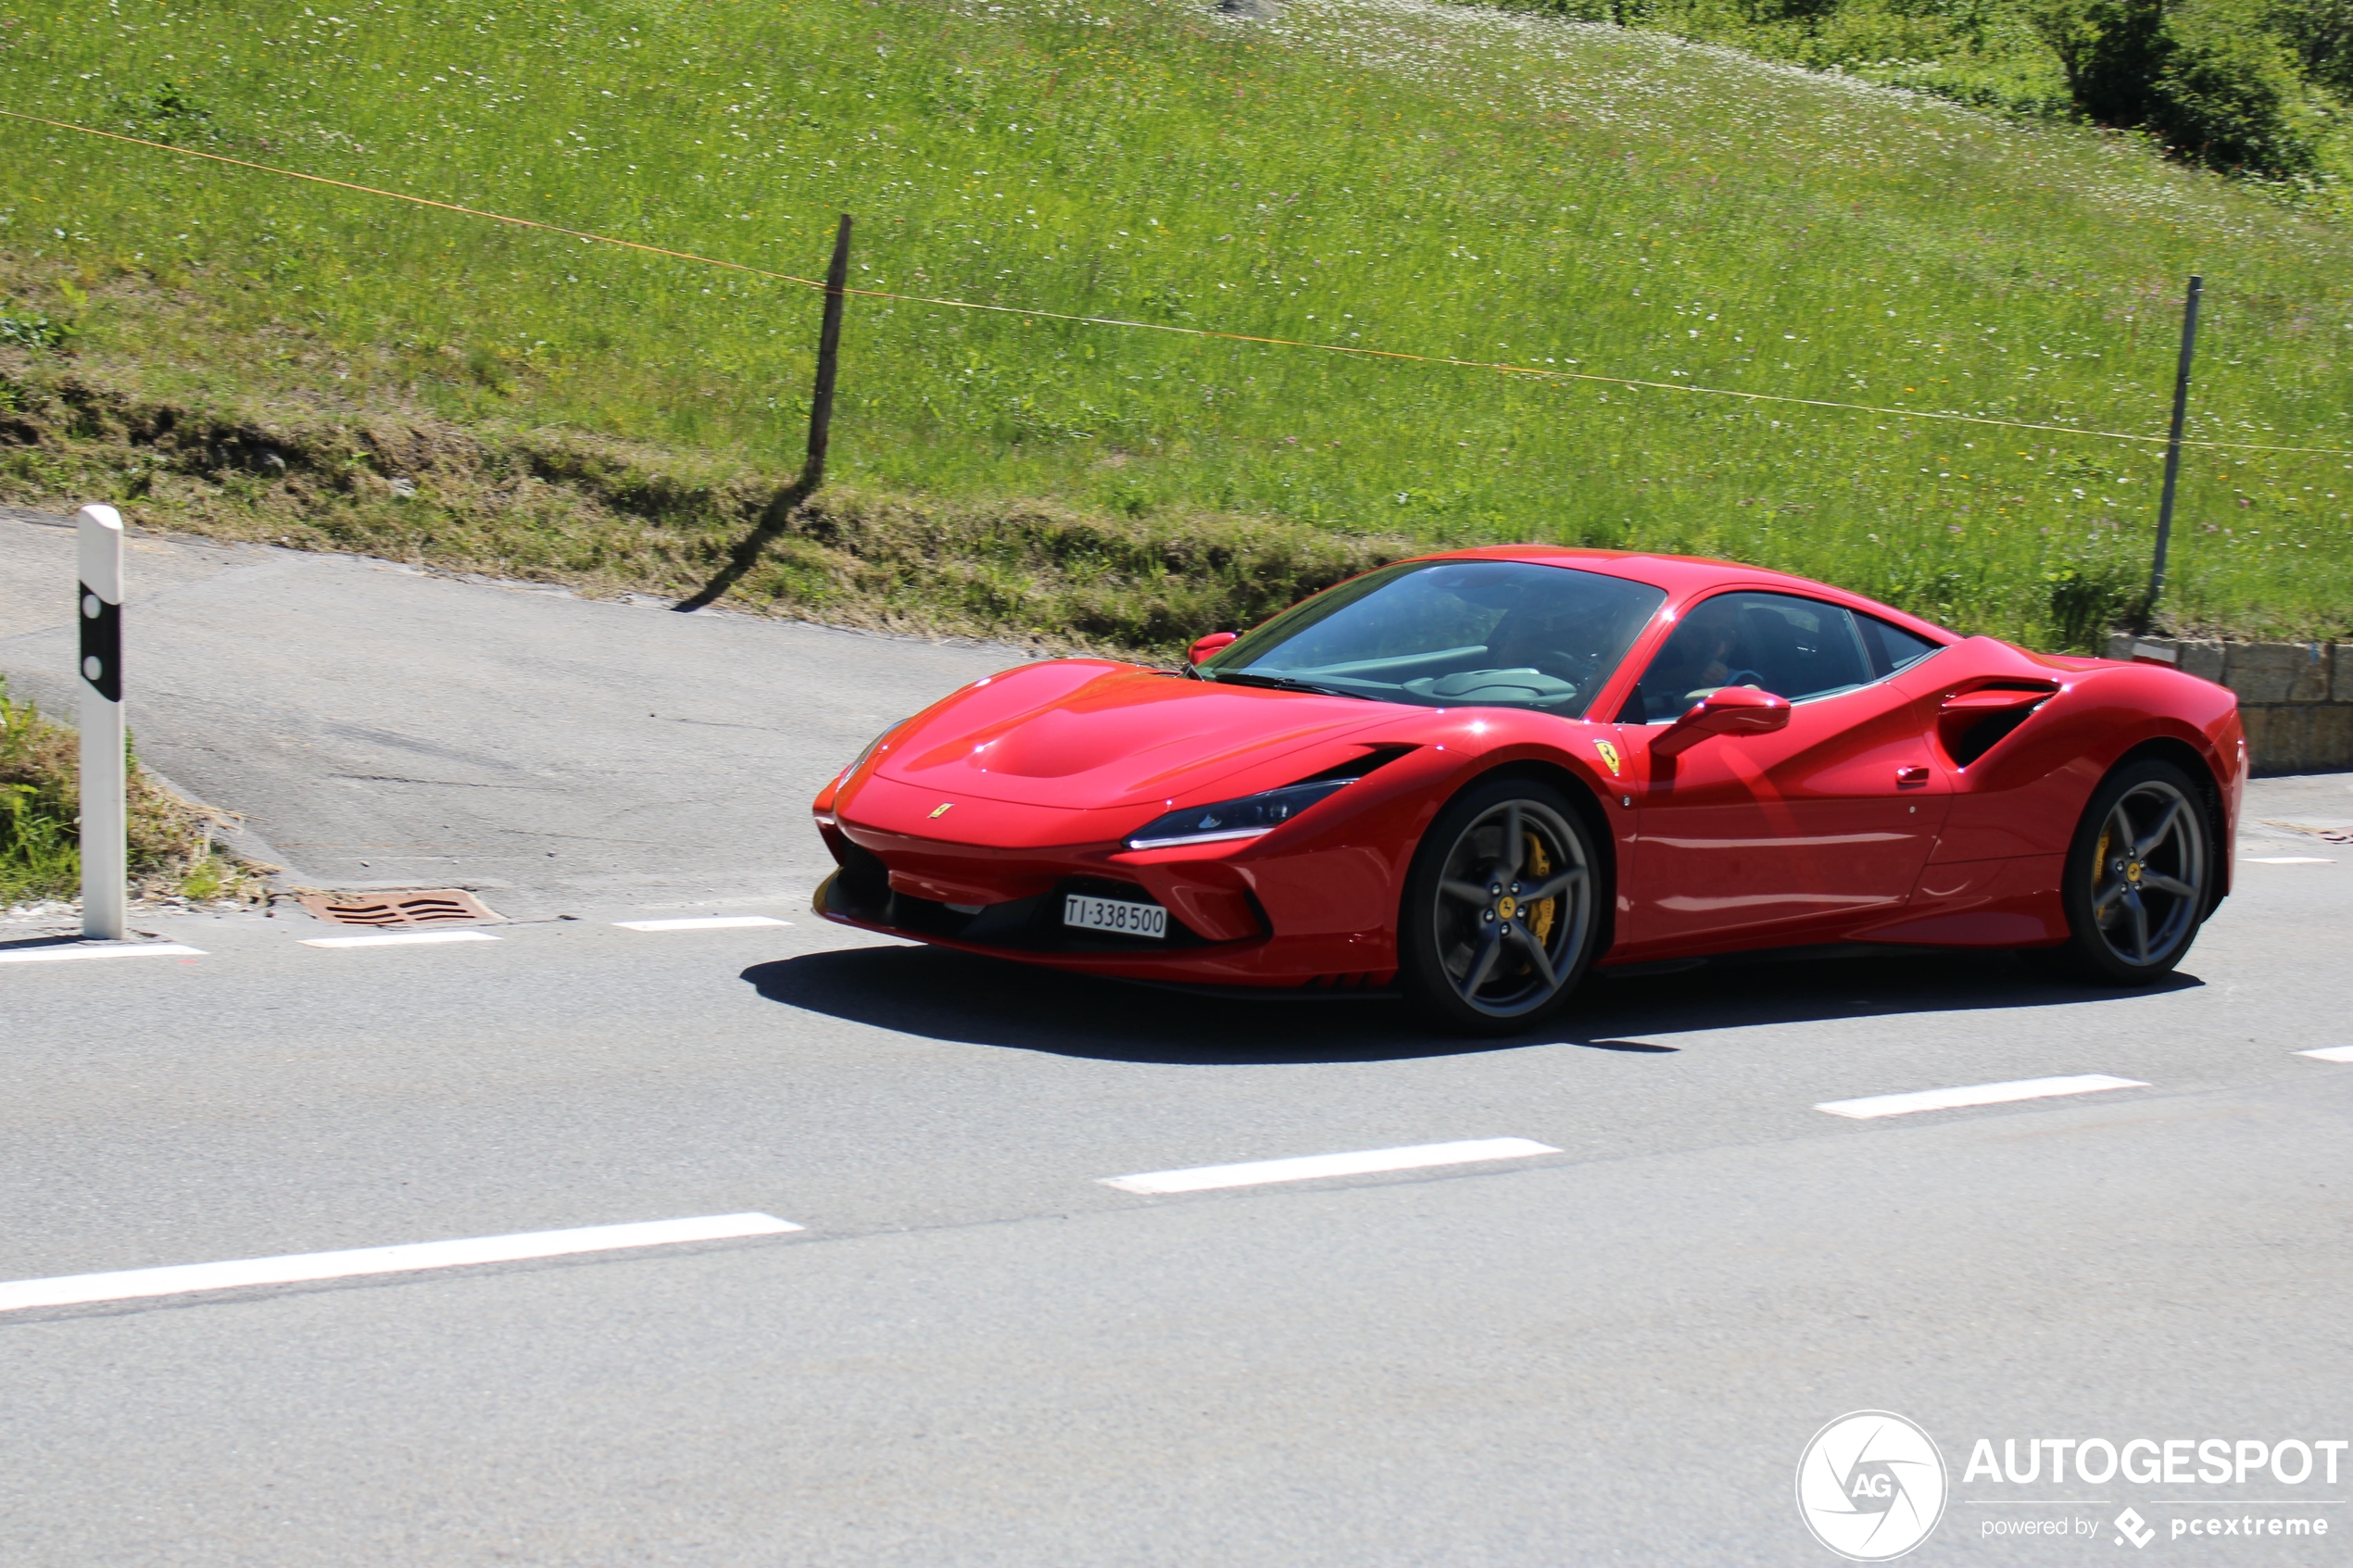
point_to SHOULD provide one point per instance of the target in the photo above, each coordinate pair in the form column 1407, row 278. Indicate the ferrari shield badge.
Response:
column 1609, row 756
column 941, row 809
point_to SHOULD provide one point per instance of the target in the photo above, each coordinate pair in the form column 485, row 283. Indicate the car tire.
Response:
column 1476, row 954
column 2139, row 879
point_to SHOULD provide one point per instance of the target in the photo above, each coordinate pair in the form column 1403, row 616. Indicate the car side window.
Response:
column 1793, row 647
column 1890, row 647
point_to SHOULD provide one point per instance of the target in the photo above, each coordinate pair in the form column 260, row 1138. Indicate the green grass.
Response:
column 1441, row 181
column 40, row 853
column 171, row 852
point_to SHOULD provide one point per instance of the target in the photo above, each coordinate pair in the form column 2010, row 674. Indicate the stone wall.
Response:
column 2295, row 698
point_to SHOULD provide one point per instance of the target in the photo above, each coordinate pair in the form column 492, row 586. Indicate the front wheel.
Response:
column 2135, row 886
column 1499, row 919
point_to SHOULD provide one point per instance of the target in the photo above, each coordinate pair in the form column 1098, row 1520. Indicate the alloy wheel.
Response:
column 1514, row 901
column 2148, row 873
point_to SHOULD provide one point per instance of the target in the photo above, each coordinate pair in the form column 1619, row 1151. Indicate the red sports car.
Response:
column 1472, row 775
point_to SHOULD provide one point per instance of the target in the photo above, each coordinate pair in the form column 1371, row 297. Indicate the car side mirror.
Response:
column 1209, row 645
column 1727, row 710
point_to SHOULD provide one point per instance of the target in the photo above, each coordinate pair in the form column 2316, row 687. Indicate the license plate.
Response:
column 1114, row 914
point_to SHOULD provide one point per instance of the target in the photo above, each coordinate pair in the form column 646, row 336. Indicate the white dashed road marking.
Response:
column 699, row 922
column 1307, row 1167
column 1976, row 1094
column 398, row 939
column 132, row 1284
column 2331, row 1053
column 101, row 950
column 2289, row 860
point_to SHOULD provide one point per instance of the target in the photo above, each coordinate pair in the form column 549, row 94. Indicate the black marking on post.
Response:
column 102, row 640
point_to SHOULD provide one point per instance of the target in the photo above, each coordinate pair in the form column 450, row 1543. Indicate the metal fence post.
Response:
column 105, row 823
column 821, row 407
column 2174, row 449
column 777, row 516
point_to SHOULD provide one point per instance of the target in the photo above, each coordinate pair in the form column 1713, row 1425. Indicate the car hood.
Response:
column 1085, row 734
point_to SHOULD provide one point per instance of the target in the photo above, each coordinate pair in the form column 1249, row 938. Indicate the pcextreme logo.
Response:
column 1870, row 1486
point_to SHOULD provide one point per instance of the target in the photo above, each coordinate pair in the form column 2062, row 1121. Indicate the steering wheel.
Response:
column 1745, row 678
column 1560, row 667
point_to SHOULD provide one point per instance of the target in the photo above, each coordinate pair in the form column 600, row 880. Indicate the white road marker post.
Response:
column 104, row 807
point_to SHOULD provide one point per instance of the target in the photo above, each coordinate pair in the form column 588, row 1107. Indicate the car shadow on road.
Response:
column 942, row 995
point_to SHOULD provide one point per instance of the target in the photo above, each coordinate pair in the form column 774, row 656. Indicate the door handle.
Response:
column 1907, row 778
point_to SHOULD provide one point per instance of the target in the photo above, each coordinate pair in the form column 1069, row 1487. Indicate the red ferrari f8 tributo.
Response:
column 1471, row 776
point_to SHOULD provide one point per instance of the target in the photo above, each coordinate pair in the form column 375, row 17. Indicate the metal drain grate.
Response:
column 426, row 906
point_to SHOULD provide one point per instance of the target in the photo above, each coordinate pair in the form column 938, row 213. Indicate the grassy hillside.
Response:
column 1446, row 181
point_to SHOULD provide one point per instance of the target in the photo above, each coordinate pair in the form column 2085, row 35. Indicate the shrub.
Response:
column 2089, row 597
column 2320, row 31
column 32, row 330
column 2207, row 78
column 169, row 113
column 2111, row 51
column 2228, row 94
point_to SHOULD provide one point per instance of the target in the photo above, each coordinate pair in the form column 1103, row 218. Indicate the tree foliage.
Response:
column 2320, row 32
column 2255, row 86
column 2218, row 83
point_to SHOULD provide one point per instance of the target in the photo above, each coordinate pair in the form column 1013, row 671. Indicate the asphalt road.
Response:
column 975, row 1351
column 379, row 727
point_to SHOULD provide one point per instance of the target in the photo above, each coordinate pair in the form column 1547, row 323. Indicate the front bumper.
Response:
column 1268, row 923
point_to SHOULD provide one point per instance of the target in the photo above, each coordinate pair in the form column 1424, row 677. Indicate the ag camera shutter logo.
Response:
column 1870, row 1486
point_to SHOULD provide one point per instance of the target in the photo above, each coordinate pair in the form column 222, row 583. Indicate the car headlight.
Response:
column 859, row 760
column 1246, row 818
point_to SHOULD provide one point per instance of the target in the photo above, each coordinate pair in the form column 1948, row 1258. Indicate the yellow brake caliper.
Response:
column 2099, row 864
column 1539, row 867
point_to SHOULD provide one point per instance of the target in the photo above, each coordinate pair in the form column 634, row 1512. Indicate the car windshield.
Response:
column 1451, row 634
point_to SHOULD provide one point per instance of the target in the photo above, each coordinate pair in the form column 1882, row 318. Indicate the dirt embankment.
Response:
column 558, row 505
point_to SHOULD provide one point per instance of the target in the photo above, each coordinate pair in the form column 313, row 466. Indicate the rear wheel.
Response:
column 1499, row 918
column 2138, row 876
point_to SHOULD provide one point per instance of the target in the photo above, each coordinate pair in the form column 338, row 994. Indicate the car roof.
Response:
column 1688, row 577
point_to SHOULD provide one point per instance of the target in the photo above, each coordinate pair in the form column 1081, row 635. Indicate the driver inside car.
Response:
column 1524, row 640
column 1703, row 655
